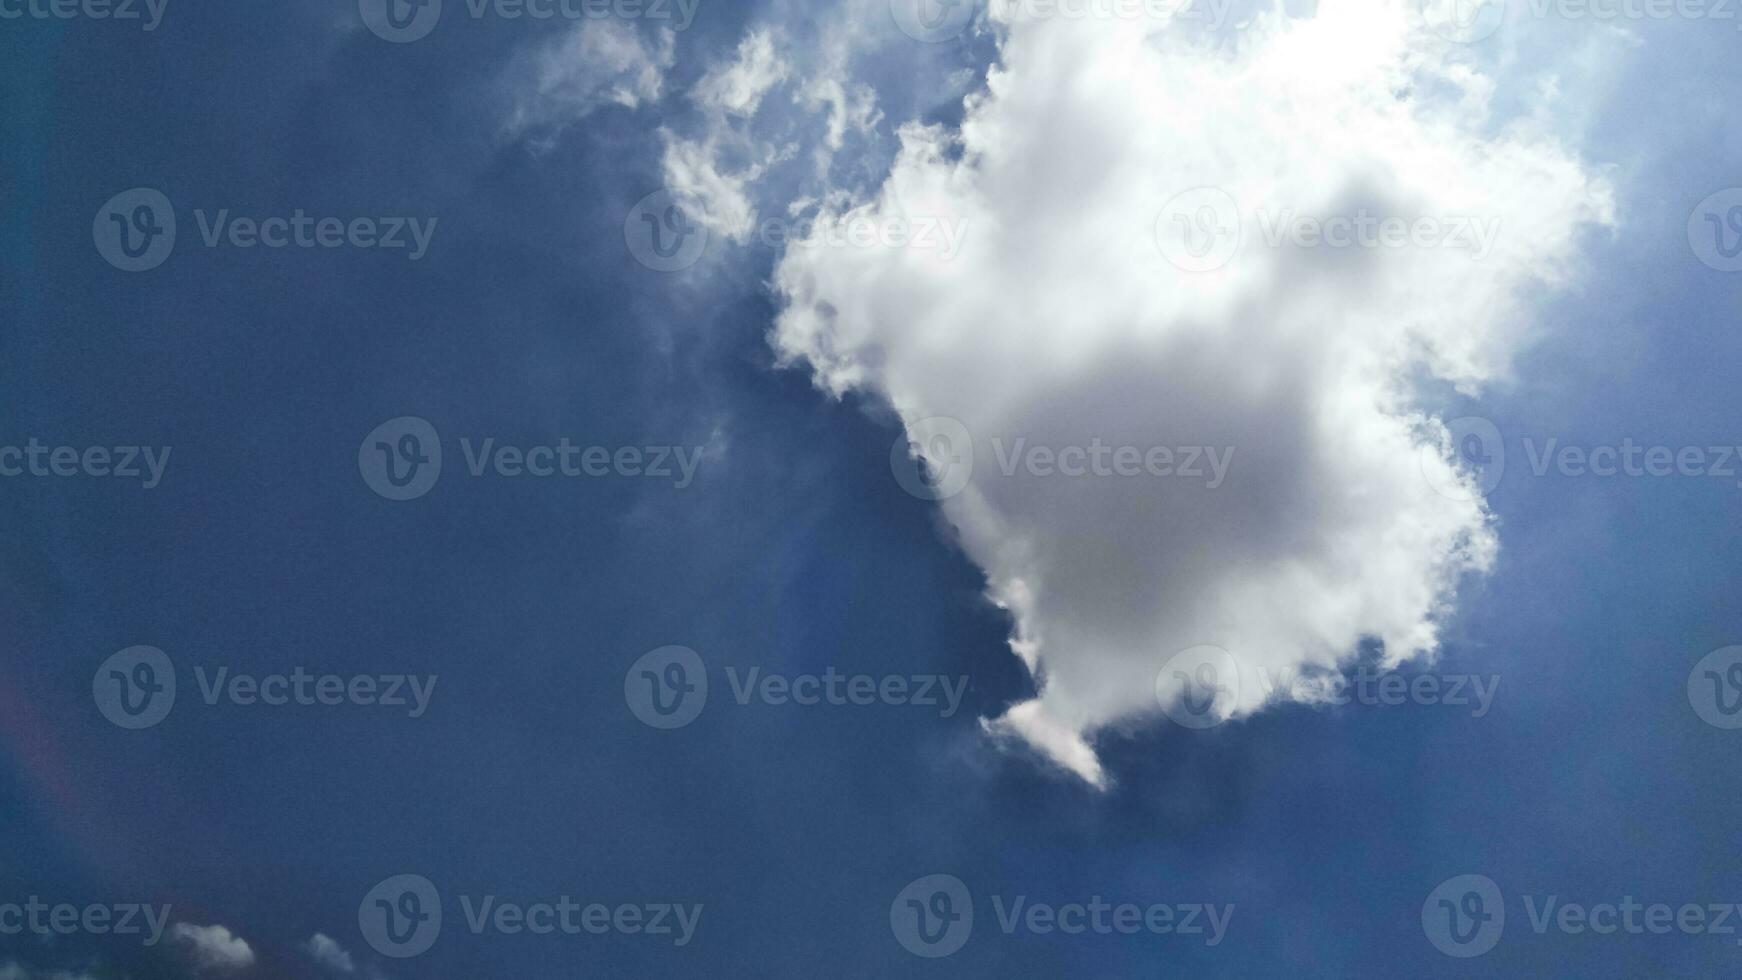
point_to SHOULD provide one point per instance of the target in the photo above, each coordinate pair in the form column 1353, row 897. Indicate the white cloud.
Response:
column 324, row 950
column 711, row 191
column 738, row 86
column 1060, row 322
column 596, row 63
column 711, row 175
column 850, row 109
column 726, row 168
column 213, row 947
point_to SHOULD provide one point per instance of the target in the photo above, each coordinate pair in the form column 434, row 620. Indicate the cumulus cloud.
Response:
column 323, row 949
column 594, row 64
column 1089, row 306
column 213, row 947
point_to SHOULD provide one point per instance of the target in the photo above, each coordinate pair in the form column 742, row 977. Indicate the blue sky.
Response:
column 529, row 321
